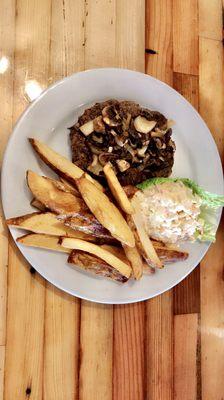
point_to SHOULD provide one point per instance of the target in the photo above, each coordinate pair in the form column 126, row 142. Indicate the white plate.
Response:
column 48, row 118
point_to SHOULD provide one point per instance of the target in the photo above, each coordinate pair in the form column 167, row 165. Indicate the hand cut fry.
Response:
column 169, row 254
column 89, row 225
column 42, row 241
column 148, row 251
column 98, row 251
column 60, row 164
column 105, row 212
column 47, row 223
column 135, row 260
column 96, row 265
column 117, row 190
column 53, row 198
column 37, row 204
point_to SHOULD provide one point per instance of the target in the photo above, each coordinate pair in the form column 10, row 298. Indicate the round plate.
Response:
column 48, row 119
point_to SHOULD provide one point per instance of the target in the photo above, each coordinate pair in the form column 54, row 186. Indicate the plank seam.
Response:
column 209, row 38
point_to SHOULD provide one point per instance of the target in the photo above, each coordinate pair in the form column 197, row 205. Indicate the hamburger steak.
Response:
column 135, row 140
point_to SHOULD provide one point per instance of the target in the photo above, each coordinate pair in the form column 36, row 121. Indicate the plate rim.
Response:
column 23, row 116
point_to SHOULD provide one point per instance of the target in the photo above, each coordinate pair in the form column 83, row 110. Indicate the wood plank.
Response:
column 159, row 310
column 185, row 356
column 128, row 364
column 26, row 291
column 7, row 33
column 185, row 36
column 187, row 294
column 211, row 88
column 130, row 34
column 25, row 330
column 159, row 348
column 187, row 85
column 212, row 286
column 96, row 331
column 100, row 48
column 61, row 349
column 128, row 361
column 96, row 338
column 159, row 14
column 62, row 312
column 2, row 366
column 210, row 19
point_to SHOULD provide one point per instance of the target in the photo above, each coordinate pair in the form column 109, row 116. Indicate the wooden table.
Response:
column 54, row 346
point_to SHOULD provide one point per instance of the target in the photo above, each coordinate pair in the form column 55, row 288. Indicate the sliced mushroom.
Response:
column 98, row 124
column 97, row 139
column 170, row 123
column 120, row 142
column 141, row 152
column 95, row 167
column 123, row 165
column 87, row 128
column 143, row 125
column 158, row 133
column 111, row 116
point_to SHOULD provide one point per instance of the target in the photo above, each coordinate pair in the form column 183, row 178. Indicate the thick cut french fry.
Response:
column 135, row 260
column 43, row 241
column 169, row 254
column 105, row 212
column 60, row 164
column 117, row 190
column 53, row 198
column 96, row 265
column 47, row 223
column 148, row 251
column 115, row 262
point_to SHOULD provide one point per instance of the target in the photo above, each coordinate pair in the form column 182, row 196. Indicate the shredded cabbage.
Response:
column 210, row 202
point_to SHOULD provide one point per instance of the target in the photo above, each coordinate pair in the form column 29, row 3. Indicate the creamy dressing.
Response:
column 171, row 212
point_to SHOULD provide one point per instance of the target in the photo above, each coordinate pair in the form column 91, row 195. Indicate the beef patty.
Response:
column 137, row 141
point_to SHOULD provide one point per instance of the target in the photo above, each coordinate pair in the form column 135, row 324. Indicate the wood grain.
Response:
column 187, row 85
column 2, row 370
column 61, row 345
column 25, row 330
column 210, row 19
column 96, row 338
column 185, row 36
column 212, row 284
column 159, row 348
column 128, row 365
column 211, row 89
column 159, row 38
column 185, row 356
column 62, row 312
column 130, row 34
column 187, row 294
column 26, row 291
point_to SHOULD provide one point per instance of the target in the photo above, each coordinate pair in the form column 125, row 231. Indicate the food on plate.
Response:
column 137, row 141
column 117, row 190
column 76, row 244
column 70, row 188
column 92, row 263
column 37, row 204
column 135, row 260
column 53, row 198
column 42, row 241
column 61, row 165
column 143, row 241
column 177, row 209
column 105, row 212
column 47, row 223
column 88, row 224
